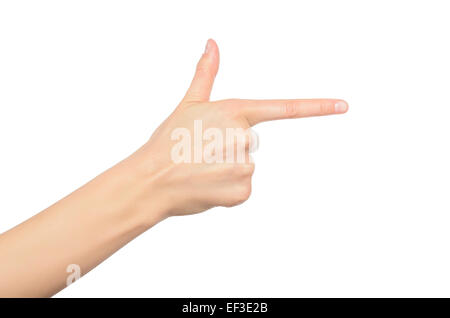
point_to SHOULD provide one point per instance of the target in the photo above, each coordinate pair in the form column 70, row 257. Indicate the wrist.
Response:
column 146, row 202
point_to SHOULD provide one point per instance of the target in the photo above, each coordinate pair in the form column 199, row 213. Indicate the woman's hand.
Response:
column 219, row 177
column 190, row 164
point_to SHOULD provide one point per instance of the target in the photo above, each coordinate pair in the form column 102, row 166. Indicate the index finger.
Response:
column 257, row 111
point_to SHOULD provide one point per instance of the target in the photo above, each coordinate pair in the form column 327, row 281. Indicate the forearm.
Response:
column 84, row 228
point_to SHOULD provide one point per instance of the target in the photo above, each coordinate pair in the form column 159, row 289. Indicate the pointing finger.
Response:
column 257, row 111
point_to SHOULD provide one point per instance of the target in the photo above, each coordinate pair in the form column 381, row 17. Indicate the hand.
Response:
column 191, row 187
column 87, row 226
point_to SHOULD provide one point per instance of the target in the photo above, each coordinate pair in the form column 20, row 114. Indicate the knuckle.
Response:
column 248, row 169
column 228, row 107
column 243, row 193
column 239, row 195
column 289, row 109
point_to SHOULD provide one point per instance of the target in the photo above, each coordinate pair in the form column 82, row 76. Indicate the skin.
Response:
column 97, row 219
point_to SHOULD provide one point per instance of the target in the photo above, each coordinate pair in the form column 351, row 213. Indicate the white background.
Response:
column 352, row 205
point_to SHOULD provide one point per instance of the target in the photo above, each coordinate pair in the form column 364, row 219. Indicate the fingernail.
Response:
column 340, row 107
column 208, row 46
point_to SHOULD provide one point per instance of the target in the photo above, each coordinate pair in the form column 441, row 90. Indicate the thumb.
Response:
column 205, row 73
